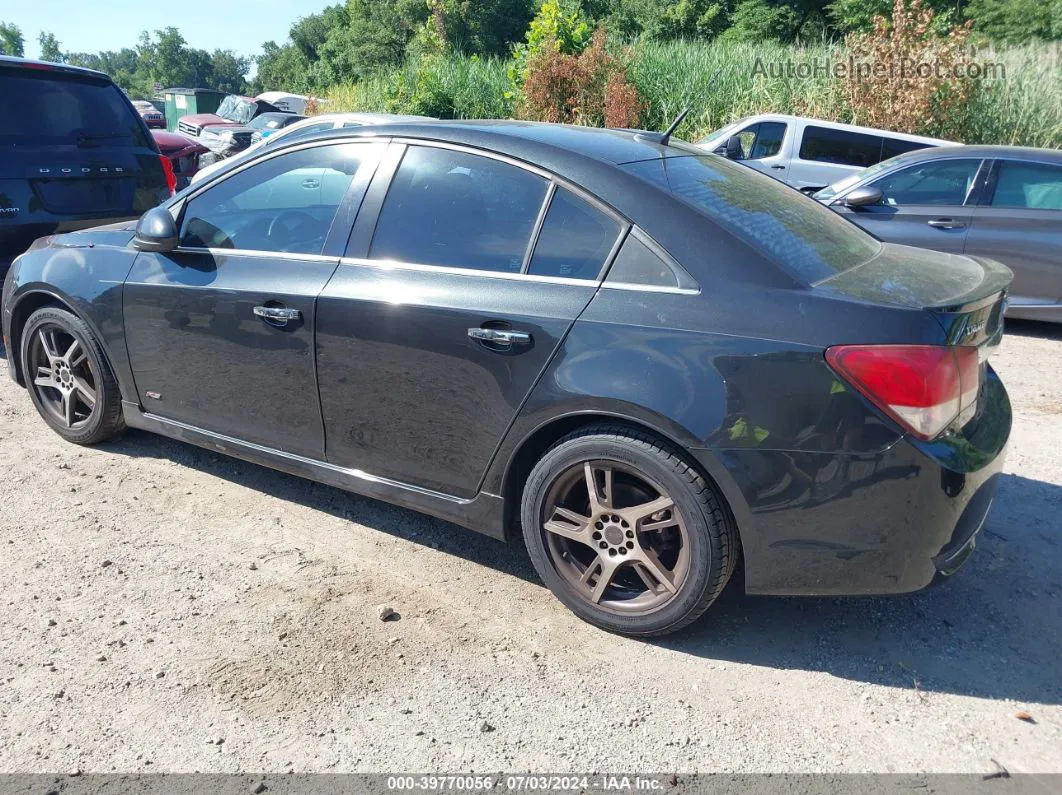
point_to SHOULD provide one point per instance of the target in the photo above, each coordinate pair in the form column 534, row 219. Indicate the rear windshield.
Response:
column 808, row 239
column 49, row 108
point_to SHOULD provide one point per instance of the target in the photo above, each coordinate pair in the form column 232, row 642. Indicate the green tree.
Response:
column 1017, row 21
column 50, row 48
column 11, row 41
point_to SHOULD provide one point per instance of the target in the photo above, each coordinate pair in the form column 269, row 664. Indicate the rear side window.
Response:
column 798, row 232
column 636, row 263
column 824, row 145
column 1032, row 186
column 576, row 239
column 890, row 147
column 53, row 108
column 458, row 210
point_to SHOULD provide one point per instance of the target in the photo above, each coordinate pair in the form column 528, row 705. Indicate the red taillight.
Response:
column 171, row 178
column 923, row 387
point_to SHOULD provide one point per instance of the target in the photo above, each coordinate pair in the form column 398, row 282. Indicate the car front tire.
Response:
column 68, row 377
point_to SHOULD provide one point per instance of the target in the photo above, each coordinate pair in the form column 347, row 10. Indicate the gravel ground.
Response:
column 166, row 609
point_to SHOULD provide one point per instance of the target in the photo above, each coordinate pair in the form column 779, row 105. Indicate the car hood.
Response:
column 117, row 235
column 918, row 277
column 171, row 143
column 209, row 120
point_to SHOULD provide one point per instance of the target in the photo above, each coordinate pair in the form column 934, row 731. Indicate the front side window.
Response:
column 890, row 147
column 1032, row 186
column 944, row 182
column 841, row 147
column 284, row 204
column 458, row 210
column 575, row 241
column 767, row 142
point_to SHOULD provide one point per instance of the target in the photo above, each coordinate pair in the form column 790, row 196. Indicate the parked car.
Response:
column 809, row 154
column 309, row 127
column 289, row 103
column 183, row 153
column 1002, row 202
column 650, row 363
column 73, row 153
column 271, row 123
column 152, row 116
column 234, row 113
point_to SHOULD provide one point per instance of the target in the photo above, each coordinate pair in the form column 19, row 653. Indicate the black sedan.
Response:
column 1003, row 202
column 651, row 364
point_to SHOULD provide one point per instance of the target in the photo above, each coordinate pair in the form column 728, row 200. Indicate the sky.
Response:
column 95, row 25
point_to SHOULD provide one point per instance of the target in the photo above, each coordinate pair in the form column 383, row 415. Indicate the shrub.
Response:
column 906, row 76
column 558, row 27
column 590, row 88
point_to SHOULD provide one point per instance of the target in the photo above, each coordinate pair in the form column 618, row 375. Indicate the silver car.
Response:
column 1002, row 202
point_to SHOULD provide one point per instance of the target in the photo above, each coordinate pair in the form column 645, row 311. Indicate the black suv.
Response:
column 74, row 153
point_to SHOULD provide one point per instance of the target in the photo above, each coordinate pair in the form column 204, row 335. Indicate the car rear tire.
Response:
column 68, row 378
column 645, row 549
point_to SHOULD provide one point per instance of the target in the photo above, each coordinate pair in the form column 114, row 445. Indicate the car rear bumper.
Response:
column 815, row 523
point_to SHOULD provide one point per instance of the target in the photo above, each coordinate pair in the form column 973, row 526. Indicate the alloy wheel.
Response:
column 63, row 376
column 617, row 539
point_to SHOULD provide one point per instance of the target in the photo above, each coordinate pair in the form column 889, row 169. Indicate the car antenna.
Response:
column 664, row 137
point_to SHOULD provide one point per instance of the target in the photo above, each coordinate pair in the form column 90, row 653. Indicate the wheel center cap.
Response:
column 614, row 536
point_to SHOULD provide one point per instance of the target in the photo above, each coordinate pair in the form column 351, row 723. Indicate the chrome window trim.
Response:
column 388, row 265
column 257, row 254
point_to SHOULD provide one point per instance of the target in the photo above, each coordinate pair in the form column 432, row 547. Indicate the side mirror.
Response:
column 863, row 197
column 157, row 231
column 733, row 149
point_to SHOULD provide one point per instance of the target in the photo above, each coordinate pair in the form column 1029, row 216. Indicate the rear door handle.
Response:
column 947, row 223
column 501, row 337
column 277, row 315
column 778, row 167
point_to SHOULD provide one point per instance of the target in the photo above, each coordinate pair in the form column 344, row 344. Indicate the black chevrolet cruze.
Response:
column 652, row 364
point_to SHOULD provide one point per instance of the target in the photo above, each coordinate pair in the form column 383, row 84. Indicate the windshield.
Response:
column 49, row 108
column 801, row 234
column 237, row 109
column 718, row 138
column 842, row 185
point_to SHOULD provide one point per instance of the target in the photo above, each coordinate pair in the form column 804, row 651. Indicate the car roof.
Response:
column 982, row 152
column 550, row 146
column 29, row 63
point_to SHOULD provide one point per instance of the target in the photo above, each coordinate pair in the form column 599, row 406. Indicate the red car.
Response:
column 152, row 116
column 234, row 113
column 182, row 152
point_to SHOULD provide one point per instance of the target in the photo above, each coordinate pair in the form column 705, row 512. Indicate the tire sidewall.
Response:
column 74, row 326
column 657, row 467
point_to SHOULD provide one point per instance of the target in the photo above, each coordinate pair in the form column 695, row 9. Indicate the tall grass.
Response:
column 721, row 81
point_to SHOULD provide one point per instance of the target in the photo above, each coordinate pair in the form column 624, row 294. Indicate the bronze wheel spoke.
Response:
column 648, row 560
column 603, row 580
column 638, row 513
column 44, row 378
column 87, row 393
column 48, row 345
column 69, row 408
column 598, row 501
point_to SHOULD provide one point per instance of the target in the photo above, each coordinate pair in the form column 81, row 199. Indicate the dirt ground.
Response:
column 166, row 609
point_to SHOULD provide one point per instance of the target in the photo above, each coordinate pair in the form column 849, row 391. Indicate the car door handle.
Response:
column 501, row 337
column 778, row 167
column 946, row 223
column 277, row 315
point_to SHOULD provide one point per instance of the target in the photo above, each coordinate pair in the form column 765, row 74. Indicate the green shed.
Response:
column 186, row 101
